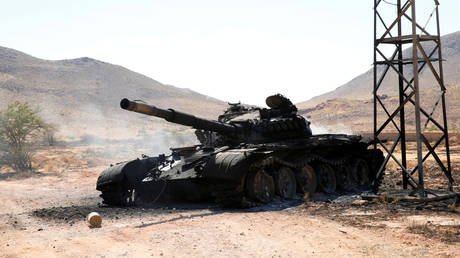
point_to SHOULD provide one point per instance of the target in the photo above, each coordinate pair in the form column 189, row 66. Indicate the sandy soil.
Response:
column 44, row 215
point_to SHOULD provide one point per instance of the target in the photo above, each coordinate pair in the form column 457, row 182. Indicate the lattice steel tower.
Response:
column 399, row 70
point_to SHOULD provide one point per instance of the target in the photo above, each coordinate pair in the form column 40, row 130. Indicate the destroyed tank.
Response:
column 248, row 157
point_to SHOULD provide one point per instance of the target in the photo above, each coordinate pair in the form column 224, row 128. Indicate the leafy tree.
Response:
column 20, row 125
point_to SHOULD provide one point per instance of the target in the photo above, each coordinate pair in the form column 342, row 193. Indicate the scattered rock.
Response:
column 359, row 202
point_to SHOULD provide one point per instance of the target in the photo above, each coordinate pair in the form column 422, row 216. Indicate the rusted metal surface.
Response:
column 261, row 186
column 326, row 177
column 306, row 179
column 285, row 183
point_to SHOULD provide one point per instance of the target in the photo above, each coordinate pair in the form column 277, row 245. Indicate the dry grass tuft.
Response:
column 386, row 199
column 447, row 234
column 422, row 229
column 454, row 207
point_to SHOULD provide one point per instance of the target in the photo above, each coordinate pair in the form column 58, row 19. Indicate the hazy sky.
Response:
column 232, row 50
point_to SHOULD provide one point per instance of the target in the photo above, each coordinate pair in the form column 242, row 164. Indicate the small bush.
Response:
column 20, row 125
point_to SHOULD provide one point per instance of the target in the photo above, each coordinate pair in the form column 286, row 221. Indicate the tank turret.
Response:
column 239, row 124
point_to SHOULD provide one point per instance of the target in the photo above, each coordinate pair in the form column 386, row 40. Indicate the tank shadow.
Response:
column 68, row 214
column 214, row 209
column 181, row 217
column 72, row 213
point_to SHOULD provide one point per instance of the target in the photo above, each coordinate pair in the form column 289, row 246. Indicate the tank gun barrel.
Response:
column 177, row 117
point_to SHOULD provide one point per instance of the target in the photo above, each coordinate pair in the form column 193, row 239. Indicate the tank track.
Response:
column 112, row 194
column 234, row 196
column 118, row 194
column 229, row 195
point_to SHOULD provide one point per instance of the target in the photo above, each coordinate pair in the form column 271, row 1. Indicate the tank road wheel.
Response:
column 326, row 178
column 285, row 183
column 118, row 195
column 343, row 177
column 360, row 172
column 306, row 180
column 260, row 186
column 375, row 161
column 128, row 197
column 340, row 177
column 110, row 197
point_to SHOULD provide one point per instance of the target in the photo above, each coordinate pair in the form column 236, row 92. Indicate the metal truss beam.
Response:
column 408, row 69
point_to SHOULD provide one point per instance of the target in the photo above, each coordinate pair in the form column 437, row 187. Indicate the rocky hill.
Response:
column 361, row 86
column 349, row 108
column 341, row 115
column 82, row 95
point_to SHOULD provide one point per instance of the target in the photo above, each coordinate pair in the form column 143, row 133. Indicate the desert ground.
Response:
column 43, row 214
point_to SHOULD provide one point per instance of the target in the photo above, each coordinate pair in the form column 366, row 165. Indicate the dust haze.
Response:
column 331, row 129
column 117, row 134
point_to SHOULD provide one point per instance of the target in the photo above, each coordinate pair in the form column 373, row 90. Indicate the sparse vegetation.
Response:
column 50, row 133
column 448, row 234
column 20, row 125
column 432, row 128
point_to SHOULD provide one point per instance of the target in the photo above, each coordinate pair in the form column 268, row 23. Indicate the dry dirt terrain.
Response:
column 43, row 215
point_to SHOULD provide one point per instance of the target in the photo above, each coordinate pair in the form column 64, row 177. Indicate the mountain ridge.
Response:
column 360, row 87
column 85, row 91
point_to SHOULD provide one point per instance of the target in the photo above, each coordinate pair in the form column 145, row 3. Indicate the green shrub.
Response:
column 20, row 125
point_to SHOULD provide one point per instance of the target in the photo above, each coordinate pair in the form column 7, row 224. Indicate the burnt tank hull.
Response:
column 246, row 175
column 246, row 158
